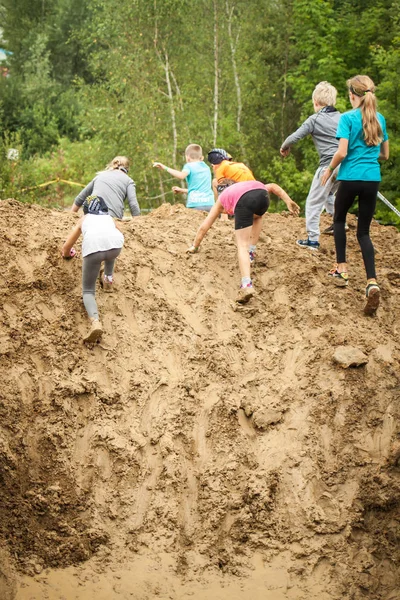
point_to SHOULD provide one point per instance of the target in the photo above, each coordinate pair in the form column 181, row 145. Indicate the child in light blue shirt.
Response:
column 198, row 176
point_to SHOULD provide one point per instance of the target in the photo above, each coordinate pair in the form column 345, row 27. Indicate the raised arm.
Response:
column 305, row 129
column 213, row 215
column 173, row 172
column 276, row 189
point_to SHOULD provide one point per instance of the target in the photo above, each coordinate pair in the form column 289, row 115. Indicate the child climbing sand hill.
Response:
column 224, row 167
column 198, row 177
column 321, row 126
column 363, row 141
column 248, row 201
column 102, row 242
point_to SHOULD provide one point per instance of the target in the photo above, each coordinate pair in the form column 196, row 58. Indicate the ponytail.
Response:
column 119, row 162
column 373, row 135
column 363, row 87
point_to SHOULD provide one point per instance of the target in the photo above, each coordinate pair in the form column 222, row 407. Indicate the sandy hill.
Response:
column 201, row 450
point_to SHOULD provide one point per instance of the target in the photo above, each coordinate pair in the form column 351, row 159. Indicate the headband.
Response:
column 359, row 94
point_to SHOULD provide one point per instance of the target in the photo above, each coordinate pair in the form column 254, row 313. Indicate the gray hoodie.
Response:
column 322, row 127
column 113, row 186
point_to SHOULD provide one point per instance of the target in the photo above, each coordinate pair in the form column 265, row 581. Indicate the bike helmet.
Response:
column 217, row 155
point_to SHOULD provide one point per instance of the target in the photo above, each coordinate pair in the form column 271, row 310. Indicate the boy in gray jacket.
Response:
column 322, row 127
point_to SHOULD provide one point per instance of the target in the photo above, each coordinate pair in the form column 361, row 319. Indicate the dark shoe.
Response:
column 372, row 293
column 340, row 279
column 329, row 230
column 308, row 244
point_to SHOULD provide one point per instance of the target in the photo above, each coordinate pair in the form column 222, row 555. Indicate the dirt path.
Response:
column 201, row 449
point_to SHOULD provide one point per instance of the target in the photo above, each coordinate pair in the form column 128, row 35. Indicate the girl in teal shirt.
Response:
column 363, row 141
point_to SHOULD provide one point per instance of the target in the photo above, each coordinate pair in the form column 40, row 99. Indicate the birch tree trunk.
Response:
column 164, row 59
column 284, row 94
column 172, row 108
column 233, row 45
column 216, row 75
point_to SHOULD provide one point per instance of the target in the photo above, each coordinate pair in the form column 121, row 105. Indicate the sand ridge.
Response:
column 202, row 449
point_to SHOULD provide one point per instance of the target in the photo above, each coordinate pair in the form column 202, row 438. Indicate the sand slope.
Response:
column 202, row 449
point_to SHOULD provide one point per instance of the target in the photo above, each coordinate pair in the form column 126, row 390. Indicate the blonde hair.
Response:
column 324, row 94
column 363, row 87
column 117, row 163
column 194, row 151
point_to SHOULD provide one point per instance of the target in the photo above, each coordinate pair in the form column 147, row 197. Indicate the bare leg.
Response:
column 243, row 237
column 256, row 229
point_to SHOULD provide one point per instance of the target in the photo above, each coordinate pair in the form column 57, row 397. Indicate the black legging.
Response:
column 348, row 191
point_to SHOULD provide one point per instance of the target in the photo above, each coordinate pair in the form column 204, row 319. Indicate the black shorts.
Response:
column 254, row 202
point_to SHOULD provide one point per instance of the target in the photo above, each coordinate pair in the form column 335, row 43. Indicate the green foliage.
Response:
column 90, row 80
column 9, row 166
column 284, row 172
column 387, row 61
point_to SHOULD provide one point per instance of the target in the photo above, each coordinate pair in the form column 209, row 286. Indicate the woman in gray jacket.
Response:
column 113, row 185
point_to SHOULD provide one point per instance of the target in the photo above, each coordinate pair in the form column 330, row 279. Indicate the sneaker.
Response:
column 252, row 257
column 340, row 279
column 308, row 244
column 245, row 293
column 108, row 283
column 329, row 230
column 372, row 294
column 95, row 332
